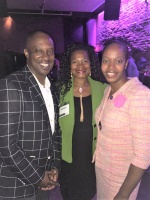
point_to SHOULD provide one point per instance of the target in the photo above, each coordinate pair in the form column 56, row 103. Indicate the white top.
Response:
column 47, row 95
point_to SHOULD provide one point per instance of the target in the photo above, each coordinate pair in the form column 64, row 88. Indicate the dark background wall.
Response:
column 133, row 24
column 13, row 38
column 64, row 31
column 14, row 31
column 74, row 30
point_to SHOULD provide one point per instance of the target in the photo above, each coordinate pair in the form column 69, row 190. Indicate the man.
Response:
column 29, row 132
column 141, row 63
column 132, row 70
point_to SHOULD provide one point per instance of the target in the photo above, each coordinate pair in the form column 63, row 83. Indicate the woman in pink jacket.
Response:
column 123, row 120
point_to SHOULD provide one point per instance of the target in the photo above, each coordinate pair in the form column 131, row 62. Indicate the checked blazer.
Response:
column 27, row 146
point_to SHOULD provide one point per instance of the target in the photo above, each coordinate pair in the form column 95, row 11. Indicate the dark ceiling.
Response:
column 82, row 8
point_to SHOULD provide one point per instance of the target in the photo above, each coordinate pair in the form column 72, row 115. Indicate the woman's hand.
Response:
column 120, row 197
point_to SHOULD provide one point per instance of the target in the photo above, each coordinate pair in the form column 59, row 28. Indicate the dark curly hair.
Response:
column 64, row 82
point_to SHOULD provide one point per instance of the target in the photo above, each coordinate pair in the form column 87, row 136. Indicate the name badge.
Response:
column 64, row 110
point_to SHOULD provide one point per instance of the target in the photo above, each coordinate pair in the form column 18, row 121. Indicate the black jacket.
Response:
column 27, row 146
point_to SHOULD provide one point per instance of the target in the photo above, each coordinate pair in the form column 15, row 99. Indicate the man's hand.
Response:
column 49, row 181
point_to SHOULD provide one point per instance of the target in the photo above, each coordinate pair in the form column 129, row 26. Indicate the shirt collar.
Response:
column 47, row 82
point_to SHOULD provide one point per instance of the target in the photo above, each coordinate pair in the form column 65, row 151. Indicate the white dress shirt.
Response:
column 47, row 95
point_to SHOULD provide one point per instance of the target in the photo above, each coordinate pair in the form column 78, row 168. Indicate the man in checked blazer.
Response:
column 29, row 130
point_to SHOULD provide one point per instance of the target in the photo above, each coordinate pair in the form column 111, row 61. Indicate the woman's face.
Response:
column 114, row 64
column 80, row 64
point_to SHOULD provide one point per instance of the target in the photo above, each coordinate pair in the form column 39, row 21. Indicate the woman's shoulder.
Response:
column 138, row 88
column 141, row 91
column 137, row 93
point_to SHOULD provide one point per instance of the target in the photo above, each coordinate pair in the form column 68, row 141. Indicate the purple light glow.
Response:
column 91, row 30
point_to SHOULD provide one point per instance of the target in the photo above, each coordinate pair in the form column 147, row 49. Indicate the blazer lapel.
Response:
column 36, row 92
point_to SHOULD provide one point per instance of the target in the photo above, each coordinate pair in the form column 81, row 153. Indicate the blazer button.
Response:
column 95, row 138
column 94, row 125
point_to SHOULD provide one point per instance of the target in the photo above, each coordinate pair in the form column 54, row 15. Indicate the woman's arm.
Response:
column 132, row 179
column 139, row 111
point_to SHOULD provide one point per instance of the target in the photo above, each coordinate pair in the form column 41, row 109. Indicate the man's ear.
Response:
column 26, row 53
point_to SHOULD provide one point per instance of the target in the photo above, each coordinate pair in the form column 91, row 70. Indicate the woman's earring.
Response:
column 71, row 74
column 90, row 74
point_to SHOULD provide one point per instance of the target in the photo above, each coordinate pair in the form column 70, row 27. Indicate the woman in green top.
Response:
column 80, row 96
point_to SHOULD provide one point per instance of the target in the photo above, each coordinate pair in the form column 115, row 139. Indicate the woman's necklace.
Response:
column 81, row 104
column 80, row 88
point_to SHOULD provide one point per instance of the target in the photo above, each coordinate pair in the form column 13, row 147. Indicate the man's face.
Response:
column 40, row 55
